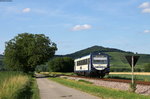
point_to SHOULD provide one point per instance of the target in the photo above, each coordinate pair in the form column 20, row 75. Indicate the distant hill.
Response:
column 94, row 49
column 117, row 56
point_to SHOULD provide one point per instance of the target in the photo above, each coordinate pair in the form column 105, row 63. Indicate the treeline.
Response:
column 57, row 64
column 66, row 64
column 1, row 63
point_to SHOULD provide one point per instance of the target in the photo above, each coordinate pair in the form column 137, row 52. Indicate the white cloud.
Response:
column 146, row 10
column 146, row 31
column 81, row 27
column 145, row 5
column 26, row 10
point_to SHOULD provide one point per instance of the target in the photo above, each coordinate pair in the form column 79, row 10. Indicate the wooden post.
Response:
column 132, row 70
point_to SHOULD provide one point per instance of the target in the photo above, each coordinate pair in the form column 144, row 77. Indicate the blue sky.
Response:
column 77, row 24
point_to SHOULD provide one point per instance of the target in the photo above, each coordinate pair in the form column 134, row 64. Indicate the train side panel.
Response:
column 80, row 64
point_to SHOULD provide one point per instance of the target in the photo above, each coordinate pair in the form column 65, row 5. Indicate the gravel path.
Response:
column 141, row 89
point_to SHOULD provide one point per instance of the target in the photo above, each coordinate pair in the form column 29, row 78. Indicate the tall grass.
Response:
column 16, row 85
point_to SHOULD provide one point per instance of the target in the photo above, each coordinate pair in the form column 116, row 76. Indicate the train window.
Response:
column 83, row 62
column 100, row 61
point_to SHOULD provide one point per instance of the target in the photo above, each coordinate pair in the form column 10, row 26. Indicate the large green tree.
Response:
column 25, row 51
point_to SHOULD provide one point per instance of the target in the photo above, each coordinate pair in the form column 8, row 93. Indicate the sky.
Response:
column 78, row 24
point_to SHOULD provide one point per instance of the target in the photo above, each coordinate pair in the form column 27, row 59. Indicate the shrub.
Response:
column 61, row 64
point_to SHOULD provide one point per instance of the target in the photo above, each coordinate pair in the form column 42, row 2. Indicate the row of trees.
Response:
column 58, row 64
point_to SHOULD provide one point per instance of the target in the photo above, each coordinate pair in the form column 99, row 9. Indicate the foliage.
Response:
column 1, row 63
column 25, row 51
column 61, row 64
column 147, row 67
column 102, row 92
column 41, row 68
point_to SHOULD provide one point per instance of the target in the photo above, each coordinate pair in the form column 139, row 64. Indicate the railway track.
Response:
column 114, row 80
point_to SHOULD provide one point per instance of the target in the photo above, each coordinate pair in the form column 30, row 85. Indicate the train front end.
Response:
column 100, row 63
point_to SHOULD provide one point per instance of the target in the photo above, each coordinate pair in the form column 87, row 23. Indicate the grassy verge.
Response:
column 104, row 93
column 35, row 90
column 84, row 81
column 57, row 73
column 16, row 85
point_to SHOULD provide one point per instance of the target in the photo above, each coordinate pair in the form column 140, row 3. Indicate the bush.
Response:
column 61, row 64
column 41, row 68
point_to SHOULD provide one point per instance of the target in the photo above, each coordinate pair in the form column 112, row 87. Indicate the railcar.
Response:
column 95, row 64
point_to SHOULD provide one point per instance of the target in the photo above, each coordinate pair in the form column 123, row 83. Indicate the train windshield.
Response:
column 99, row 59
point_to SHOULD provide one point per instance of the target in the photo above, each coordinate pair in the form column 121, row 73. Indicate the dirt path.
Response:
column 52, row 90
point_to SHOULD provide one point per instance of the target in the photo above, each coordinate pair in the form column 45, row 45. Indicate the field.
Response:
column 129, row 73
column 139, row 76
column 16, row 85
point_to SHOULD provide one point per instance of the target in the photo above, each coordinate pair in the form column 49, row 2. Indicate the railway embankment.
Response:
column 124, row 85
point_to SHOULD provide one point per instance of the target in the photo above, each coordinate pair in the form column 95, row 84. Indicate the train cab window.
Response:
column 100, row 61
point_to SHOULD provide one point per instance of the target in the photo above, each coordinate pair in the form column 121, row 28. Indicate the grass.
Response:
column 102, row 92
column 127, row 76
column 35, row 90
column 12, row 84
column 16, row 85
column 84, row 81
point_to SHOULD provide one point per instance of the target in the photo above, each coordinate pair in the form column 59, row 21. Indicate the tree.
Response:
column 25, row 51
column 61, row 64
column 147, row 67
